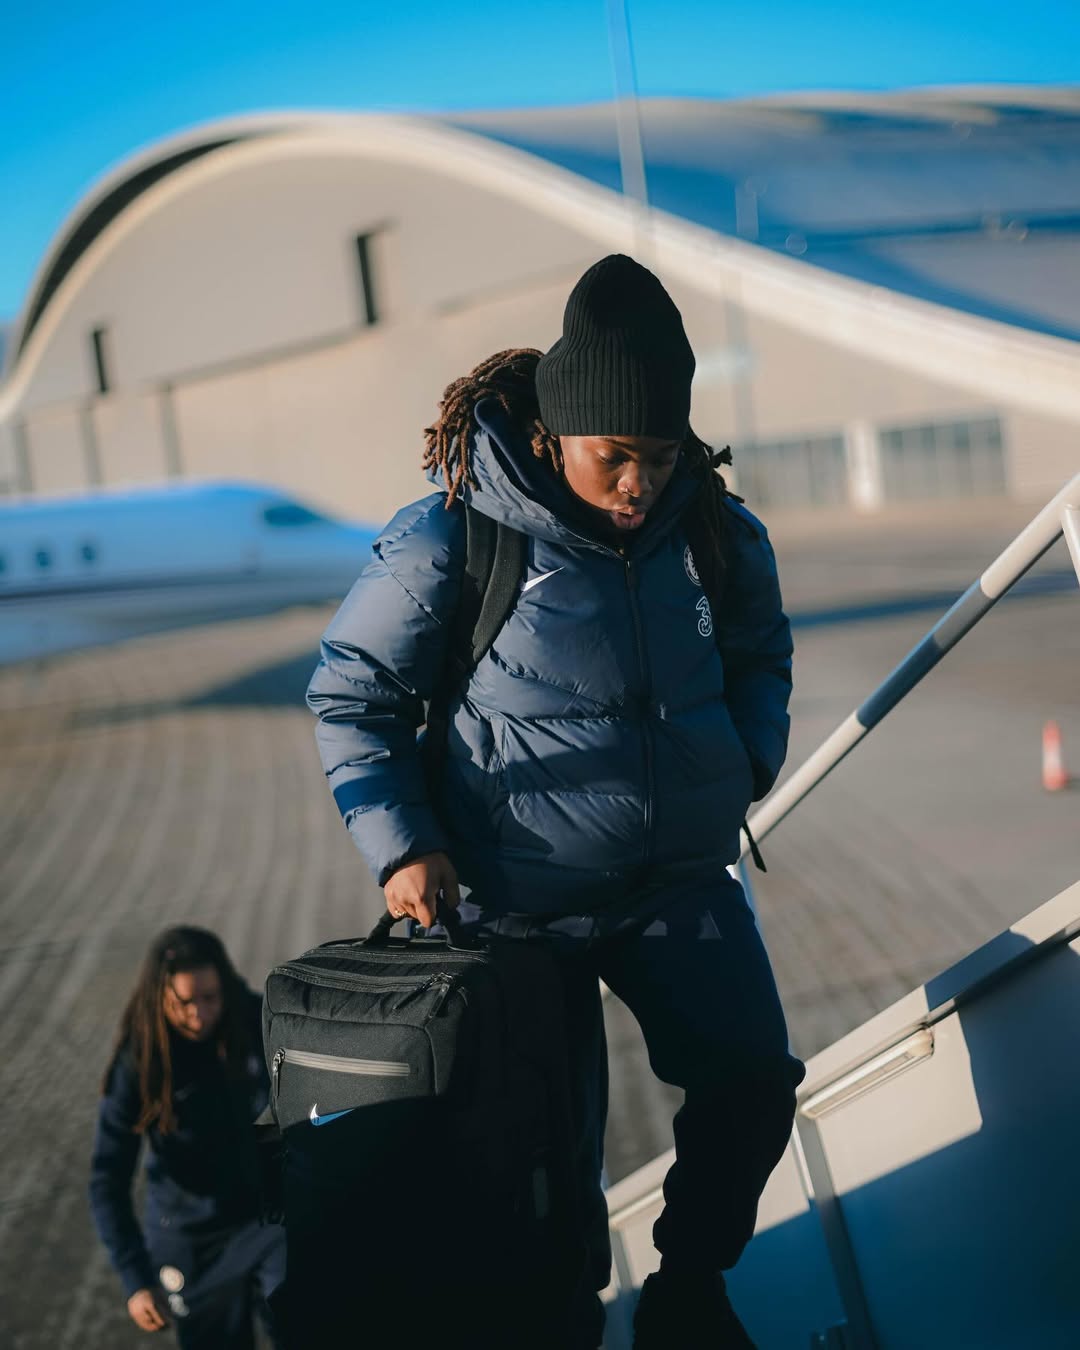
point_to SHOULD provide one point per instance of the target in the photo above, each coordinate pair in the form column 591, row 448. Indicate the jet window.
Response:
column 288, row 514
column 88, row 552
column 43, row 558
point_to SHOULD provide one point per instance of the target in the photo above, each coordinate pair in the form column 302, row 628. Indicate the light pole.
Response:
column 628, row 121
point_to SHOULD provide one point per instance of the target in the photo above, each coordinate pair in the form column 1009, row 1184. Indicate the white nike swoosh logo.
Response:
column 316, row 1119
column 537, row 580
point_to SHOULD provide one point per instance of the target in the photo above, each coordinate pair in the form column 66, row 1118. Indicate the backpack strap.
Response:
column 713, row 583
column 494, row 564
column 480, row 542
column 500, row 564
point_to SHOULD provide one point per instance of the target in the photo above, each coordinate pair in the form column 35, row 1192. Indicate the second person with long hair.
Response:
column 187, row 1077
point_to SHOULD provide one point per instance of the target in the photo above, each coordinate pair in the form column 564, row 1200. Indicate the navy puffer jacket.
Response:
column 610, row 741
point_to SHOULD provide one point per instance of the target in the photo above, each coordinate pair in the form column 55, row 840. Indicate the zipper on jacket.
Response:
column 646, row 695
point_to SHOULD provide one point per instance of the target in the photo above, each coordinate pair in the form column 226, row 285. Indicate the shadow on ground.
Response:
column 279, row 685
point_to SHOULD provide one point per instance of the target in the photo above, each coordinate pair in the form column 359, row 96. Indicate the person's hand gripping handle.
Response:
column 413, row 889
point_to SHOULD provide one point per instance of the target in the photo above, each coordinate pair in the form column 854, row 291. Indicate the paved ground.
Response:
column 175, row 778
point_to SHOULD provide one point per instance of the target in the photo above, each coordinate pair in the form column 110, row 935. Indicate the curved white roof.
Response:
column 968, row 198
column 942, row 227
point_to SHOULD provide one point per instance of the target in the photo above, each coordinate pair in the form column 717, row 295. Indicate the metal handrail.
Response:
column 1061, row 515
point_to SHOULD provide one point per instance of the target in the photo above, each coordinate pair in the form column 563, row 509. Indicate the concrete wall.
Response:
column 56, row 450
column 236, row 297
column 9, row 461
column 795, row 386
column 343, row 426
column 1044, row 453
column 252, row 252
column 237, row 346
column 129, row 434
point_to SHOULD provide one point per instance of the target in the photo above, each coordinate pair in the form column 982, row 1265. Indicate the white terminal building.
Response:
column 883, row 292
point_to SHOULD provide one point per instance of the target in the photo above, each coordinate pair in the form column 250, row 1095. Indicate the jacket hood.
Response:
column 514, row 487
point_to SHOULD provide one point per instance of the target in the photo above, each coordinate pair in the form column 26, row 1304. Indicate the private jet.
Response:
column 81, row 571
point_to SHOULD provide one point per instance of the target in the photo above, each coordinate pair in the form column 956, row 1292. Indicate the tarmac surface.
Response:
column 174, row 778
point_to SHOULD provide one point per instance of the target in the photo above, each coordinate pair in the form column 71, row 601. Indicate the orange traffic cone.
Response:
column 1054, row 777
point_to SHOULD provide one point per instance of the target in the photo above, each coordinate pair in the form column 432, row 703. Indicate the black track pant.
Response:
column 697, row 978
column 216, row 1286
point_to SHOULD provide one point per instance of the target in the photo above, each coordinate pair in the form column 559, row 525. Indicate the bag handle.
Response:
column 445, row 916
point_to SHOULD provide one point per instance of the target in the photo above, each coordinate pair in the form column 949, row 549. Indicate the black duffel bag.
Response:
column 420, row 1088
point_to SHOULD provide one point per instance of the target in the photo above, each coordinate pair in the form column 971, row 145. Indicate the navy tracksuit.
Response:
column 599, row 762
column 201, row 1246
column 697, row 979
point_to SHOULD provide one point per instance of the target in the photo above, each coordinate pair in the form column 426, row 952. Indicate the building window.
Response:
column 289, row 515
column 806, row 471
column 101, row 366
column 943, row 459
column 369, row 311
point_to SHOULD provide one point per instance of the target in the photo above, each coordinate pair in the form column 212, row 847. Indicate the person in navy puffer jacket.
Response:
column 187, row 1075
column 603, row 753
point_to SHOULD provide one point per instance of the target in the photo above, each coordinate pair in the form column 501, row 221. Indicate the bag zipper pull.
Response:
column 446, row 984
column 275, row 1075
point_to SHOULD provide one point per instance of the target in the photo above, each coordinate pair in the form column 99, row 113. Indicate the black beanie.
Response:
column 623, row 365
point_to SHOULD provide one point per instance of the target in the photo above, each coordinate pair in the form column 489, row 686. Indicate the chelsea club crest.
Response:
column 690, row 565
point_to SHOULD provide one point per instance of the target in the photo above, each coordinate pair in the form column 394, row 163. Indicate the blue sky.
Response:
column 82, row 86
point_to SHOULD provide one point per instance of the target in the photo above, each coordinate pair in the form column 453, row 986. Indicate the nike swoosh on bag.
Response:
column 537, row 580
column 316, row 1119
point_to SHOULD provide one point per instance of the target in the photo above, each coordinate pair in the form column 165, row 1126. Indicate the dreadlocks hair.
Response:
column 144, row 1031
column 703, row 462
column 510, row 378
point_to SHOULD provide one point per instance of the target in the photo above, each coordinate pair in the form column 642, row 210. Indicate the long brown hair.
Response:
column 144, row 1031
column 509, row 377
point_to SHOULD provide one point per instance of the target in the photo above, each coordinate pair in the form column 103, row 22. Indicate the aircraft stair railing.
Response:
column 929, row 1209
column 1060, row 516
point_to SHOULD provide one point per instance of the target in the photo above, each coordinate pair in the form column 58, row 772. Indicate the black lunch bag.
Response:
column 420, row 1087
